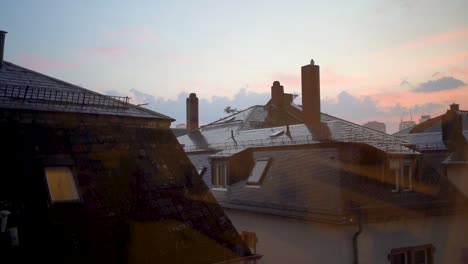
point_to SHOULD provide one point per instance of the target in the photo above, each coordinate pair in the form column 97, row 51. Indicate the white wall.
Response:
column 286, row 240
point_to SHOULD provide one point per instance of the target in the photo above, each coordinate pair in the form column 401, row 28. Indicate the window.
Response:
column 250, row 239
column 61, row 184
column 258, row 172
column 401, row 174
column 412, row 255
column 220, row 174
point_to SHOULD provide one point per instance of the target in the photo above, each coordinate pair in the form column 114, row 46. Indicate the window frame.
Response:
column 73, row 181
column 263, row 172
column 410, row 253
column 401, row 181
column 219, row 173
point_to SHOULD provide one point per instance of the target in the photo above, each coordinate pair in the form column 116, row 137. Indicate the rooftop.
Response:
column 21, row 88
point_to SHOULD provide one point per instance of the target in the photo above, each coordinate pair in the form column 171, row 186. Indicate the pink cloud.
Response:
column 461, row 72
column 409, row 98
column 328, row 77
column 423, row 42
column 42, row 63
column 133, row 34
column 436, row 38
column 109, row 51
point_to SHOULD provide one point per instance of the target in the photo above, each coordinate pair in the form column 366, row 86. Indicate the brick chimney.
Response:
column 277, row 94
column 2, row 46
column 310, row 75
column 452, row 128
column 454, row 107
column 192, row 112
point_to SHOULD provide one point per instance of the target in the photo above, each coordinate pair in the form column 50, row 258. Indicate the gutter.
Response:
column 355, row 240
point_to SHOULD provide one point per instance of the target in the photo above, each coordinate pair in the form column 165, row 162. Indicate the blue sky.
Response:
column 377, row 57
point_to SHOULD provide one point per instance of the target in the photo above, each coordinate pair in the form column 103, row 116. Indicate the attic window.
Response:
column 259, row 171
column 277, row 133
column 61, row 184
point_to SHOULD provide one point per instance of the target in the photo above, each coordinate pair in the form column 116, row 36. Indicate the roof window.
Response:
column 62, row 186
column 259, row 171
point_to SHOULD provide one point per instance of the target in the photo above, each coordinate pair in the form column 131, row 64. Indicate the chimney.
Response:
column 277, row 94
column 2, row 46
column 310, row 75
column 454, row 107
column 192, row 112
column 452, row 128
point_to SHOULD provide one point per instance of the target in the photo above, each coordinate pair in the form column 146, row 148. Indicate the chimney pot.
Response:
column 2, row 46
column 192, row 112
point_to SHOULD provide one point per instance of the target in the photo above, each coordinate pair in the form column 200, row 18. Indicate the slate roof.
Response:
column 21, row 88
column 247, row 128
column 304, row 180
column 133, row 175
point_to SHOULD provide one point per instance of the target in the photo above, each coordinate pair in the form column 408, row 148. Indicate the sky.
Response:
column 383, row 60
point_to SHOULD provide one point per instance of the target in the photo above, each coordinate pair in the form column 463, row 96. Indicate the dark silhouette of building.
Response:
column 89, row 178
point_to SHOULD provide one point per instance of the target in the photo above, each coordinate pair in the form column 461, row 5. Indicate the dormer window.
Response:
column 219, row 176
column 259, row 171
column 401, row 173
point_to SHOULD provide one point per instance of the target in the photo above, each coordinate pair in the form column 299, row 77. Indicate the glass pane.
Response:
column 61, row 184
column 258, row 171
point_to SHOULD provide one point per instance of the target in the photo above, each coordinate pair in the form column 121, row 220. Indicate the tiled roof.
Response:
column 21, row 88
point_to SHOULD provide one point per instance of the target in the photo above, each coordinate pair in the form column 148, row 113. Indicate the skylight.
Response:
column 259, row 171
column 62, row 187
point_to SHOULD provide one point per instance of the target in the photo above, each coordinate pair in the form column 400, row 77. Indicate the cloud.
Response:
column 108, row 51
column 444, row 83
column 366, row 108
column 426, row 41
column 210, row 109
column 41, row 63
column 328, row 77
column 436, row 39
column 358, row 109
column 138, row 34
